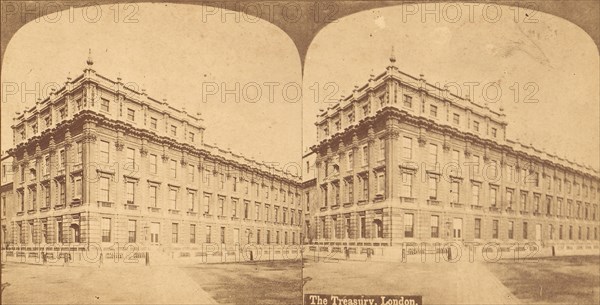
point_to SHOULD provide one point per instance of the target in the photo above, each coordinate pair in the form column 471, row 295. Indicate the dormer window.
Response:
column 34, row 128
column 433, row 110
column 130, row 114
column 153, row 123
column 456, row 118
column 407, row 101
column 366, row 109
column 338, row 125
column 351, row 117
column 62, row 112
column 104, row 105
column 326, row 131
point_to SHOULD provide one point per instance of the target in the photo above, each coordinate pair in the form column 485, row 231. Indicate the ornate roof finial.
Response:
column 90, row 61
column 392, row 56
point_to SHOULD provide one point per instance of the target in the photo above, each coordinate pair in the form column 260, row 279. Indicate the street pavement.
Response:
column 438, row 283
column 116, row 284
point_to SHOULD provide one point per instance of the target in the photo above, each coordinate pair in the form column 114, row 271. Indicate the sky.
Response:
column 176, row 52
column 550, row 59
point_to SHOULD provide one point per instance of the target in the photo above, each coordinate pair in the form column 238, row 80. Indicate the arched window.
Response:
column 377, row 228
column 75, row 233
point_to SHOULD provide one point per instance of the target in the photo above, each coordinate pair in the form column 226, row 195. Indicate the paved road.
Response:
column 438, row 283
column 121, row 284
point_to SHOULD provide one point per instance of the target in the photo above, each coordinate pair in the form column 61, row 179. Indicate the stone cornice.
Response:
column 431, row 126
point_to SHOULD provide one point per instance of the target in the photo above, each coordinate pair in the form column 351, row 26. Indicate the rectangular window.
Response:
column 131, row 228
column 175, row 233
column 153, row 192
column 106, row 230
column 525, row 230
column 511, row 229
column 435, row 226
column 365, row 155
column 221, row 202
column 408, row 225
column 456, row 160
column 207, row 204
column 234, row 203
column 130, row 114
column 407, row 185
column 477, row 228
column 154, row 231
column 191, row 173
column 257, row 212
column 79, row 159
column 104, row 152
column 222, row 235
column 475, row 194
column 130, row 192
column 456, row 118
column 523, row 201
column 173, row 130
column 46, row 165
column 493, row 197
column 349, row 187
column 191, row 200
column 191, row 136
column 407, row 101
column 381, row 183
column 407, row 148
column 454, row 192
column 495, row 229
column 509, row 198
column 363, row 226
column 173, row 199
column 208, row 234
column 432, row 186
column 192, row 234
column 173, row 169
column 381, row 149
column 153, row 123
column 476, row 162
column 433, row 151
column 476, row 126
column 247, row 211
column 350, row 160
column 153, row 164
column 366, row 109
column 104, row 105
column 494, row 132
column 433, row 110
column 130, row 159
column 62, row 158
column 104, row 194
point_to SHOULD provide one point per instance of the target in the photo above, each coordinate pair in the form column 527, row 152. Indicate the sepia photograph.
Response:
column 297, row 152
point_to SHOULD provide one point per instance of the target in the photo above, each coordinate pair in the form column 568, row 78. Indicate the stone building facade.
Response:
column 401, row 160
column 100, row 162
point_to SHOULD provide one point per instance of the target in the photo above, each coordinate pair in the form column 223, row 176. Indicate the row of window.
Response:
column 491, row 170
column 155, row 231
column 457, row 227
column 407, row 102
